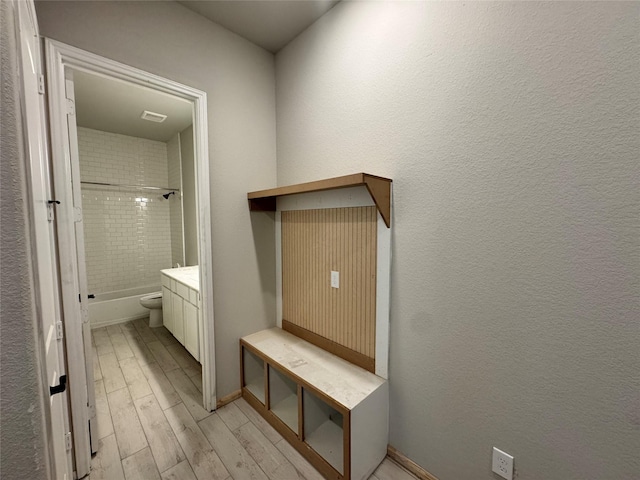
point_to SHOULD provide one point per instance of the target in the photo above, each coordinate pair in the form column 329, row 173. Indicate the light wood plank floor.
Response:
column 152, row 426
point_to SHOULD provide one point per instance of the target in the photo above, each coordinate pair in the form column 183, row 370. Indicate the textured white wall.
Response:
column 174, row 164
column 511, row 133
column 23, row 434
column 169, row 40
column 127, row 232
column 190, row 205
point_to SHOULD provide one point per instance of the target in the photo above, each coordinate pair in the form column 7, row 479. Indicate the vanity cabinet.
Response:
column 181, row 312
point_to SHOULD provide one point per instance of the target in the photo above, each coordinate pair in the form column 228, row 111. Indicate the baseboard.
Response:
column 228, row 398
column 115, row 321
column 409, row 464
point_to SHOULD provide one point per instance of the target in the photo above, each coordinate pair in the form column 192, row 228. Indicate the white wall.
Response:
column 174, row 180
column 167, row 39
column 190, row 208
column 511, row 133
column 127, row 232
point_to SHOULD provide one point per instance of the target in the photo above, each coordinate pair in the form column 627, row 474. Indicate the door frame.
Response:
column 60, row 56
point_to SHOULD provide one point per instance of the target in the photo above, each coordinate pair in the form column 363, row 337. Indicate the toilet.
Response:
column 153, row 302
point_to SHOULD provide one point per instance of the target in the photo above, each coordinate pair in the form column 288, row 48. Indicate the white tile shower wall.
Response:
column 127, row 231
column 175, row 201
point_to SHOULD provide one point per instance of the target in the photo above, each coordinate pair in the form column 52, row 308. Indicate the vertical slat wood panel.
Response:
column 315, row 242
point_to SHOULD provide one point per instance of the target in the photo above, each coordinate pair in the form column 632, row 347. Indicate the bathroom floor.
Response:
column 151, row 423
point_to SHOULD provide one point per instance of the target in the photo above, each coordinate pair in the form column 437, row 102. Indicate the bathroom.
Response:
column 138, row 186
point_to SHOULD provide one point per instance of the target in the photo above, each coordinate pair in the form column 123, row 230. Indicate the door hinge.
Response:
column 67, row 440
column 71, row 107
column 41, row 84
column 50, row 205
column 59, row 331
column 50, row 212
column 80, row 298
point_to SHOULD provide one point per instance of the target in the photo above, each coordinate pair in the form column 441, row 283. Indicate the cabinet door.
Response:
column 200, row 334
column 167, row 309
column 191, row 342
column 178, row 320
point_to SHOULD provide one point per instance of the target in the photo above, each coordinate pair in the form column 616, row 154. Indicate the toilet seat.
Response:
column 152, row 296
column 153, row 300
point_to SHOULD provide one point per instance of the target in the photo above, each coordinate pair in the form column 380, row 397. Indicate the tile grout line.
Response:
column 254, row 459
column 143, row 430
column 163, row 410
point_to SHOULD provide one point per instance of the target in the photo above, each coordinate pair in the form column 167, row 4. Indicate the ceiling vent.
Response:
column 153, row 116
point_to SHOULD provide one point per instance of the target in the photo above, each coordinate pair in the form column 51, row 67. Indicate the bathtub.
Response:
column 119, row 306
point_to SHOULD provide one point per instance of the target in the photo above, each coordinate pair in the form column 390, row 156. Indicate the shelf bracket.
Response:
column 380, row 191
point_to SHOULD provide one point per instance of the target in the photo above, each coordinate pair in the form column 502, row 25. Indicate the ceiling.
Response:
column 115, row 106
column 270, row 24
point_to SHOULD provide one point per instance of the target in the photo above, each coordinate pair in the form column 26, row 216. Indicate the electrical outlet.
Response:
column 502, row 464
column 335, row 279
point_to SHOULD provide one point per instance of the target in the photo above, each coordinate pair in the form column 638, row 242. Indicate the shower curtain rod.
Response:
column 143, row 187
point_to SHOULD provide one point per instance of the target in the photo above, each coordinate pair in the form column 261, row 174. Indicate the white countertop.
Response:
column 189, row 276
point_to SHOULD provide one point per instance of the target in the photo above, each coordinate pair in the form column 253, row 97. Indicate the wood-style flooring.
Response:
column 152, row 426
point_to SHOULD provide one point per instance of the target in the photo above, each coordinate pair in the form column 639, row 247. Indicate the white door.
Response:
column 44, row 261
column 80, row 257
column 66, row 180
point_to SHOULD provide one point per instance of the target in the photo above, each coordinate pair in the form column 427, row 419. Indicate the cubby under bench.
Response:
column 333, row 412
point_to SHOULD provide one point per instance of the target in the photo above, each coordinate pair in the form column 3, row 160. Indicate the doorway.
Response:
column 63, row 63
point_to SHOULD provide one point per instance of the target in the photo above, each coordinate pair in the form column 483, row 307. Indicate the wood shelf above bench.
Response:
column 378, row 187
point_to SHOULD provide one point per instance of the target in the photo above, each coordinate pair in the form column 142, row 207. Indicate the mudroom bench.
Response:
column 333, row 412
